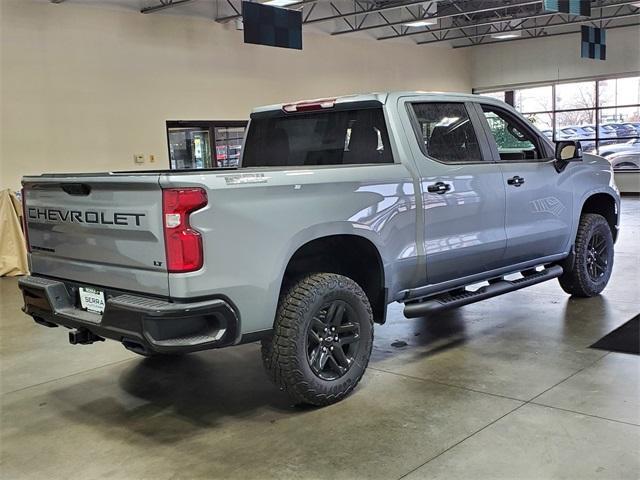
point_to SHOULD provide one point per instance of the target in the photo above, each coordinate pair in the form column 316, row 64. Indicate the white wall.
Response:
column 552, row 59
column 85, row 87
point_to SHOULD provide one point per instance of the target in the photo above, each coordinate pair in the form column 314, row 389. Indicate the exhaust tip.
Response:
column 136, row 347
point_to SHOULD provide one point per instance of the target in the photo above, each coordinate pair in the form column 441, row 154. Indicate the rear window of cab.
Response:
column 333, row 137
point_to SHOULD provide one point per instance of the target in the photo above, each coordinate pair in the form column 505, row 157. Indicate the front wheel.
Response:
column 590, row 270
column 322, row 340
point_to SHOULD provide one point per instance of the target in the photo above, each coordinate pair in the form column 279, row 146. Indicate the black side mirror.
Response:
column 568, row 151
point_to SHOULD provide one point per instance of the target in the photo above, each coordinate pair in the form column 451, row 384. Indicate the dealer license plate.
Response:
column 92, row 300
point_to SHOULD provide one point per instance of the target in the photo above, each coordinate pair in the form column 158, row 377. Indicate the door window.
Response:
column 445, row 132
column 514, row 139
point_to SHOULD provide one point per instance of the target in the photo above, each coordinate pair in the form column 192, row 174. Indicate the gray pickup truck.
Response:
column 338, row 208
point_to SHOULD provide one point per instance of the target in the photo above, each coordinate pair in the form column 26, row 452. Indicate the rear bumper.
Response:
column 144, row 324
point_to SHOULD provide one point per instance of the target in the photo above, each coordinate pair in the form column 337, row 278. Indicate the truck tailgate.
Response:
column 102, row 229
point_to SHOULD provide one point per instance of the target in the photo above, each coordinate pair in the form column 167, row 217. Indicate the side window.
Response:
column 446, row 133
column 514, row 140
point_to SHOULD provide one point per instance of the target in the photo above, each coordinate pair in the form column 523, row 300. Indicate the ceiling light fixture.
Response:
column 422, row 23
column 427, row 15
column 280, row 3
column 506, row 35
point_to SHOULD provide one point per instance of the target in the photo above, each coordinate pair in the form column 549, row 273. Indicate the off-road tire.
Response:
column 576, row 279
column 285, row 354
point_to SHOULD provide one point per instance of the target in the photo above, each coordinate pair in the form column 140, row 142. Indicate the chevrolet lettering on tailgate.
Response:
column 37, row 214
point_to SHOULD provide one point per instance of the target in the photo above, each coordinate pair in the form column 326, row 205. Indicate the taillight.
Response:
column 183, row 244
column 23, row 200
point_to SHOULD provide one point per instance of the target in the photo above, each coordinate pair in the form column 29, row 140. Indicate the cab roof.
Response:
column 382, row 97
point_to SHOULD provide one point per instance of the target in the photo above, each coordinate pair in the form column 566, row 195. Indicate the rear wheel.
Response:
column 323, row 335
column 590, row 270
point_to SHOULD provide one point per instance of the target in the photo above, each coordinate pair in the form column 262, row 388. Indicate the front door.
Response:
column 539, row 200
column 462, row 194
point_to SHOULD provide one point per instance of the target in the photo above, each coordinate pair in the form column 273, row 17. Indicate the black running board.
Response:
column 458, row 299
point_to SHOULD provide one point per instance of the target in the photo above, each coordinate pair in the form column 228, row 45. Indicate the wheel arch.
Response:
column 351, row 255
column 605, row 204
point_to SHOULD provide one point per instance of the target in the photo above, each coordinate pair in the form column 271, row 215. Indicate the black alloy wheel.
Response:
column 333, row 339
column 597, row 257
column 588, row 270
column 322, row 338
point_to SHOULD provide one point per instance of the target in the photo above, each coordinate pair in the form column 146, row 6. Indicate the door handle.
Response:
column 439, row 187
column 515, row 181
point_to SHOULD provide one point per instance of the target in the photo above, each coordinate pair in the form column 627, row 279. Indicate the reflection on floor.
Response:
column 506, row 388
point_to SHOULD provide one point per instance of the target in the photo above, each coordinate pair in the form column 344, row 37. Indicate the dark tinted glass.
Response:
column 320, row 138
column 446, row 132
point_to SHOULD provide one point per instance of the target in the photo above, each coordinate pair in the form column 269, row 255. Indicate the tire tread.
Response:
column 575, row 280
column 280, row 353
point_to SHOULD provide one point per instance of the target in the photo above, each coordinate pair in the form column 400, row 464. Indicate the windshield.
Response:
column 318, row 138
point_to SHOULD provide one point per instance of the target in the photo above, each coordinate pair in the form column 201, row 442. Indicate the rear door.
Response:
column 539, row 200
column 463, row 195
column 103, row 230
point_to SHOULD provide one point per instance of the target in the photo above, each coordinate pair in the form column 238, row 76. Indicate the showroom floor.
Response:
column 506, row 388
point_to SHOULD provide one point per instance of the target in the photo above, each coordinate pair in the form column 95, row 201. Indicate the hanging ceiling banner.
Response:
column 273, row 26
column 593, row 43
column 573, row 7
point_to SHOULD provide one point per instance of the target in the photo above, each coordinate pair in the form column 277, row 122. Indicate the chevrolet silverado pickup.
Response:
column 338, row 207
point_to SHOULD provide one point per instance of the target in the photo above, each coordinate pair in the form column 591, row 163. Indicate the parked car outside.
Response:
column 585, row 134
column 631, row 146
column 560, row 135
column 548, row 134
column 635, row 125
column 625, row 160
column 623, row 130
column 606, row 134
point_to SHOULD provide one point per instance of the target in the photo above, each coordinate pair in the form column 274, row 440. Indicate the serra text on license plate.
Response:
column 92, row 300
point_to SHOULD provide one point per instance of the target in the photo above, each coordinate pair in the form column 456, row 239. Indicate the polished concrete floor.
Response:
column 507, row 388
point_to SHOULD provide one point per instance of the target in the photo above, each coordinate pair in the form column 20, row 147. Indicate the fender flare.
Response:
column 607, row 190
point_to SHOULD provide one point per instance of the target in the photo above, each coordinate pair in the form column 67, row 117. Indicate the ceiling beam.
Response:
column 439, row 17
column 340, row 16
column 470, row 25
column 386, row 8
column 533, row 27
column 301, row 3
column 573, row 32
column 500, row 20
column 523, row 29
column 163, row 5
